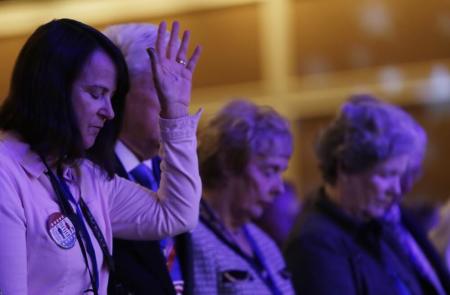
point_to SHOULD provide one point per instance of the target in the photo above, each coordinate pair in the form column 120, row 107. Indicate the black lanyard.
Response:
column 77, row 218
column 258, row 262
column 262, row 261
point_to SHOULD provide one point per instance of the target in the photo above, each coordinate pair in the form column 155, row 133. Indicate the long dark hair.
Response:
column 39, row 107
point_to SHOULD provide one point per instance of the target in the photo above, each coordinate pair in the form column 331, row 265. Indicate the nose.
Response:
column 396, row 187
column 279, row 186
column 107, row 111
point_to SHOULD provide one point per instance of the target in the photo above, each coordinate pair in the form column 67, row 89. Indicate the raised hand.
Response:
column 172, row 73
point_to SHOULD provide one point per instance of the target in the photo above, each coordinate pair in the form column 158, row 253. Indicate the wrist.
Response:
column 174, row 111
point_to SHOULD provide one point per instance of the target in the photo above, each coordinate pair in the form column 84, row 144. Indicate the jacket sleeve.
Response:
column 13, row 249
column 317, row 268
column 139, row 214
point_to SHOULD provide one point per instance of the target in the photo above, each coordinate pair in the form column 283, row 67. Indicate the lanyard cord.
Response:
column 262, row 261
column 64, row 196
column 85, row 234
column 213, row 223
column 98, row 235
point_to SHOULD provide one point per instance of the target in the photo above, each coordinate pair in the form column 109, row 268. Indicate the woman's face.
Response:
column 371, row 194
column 91, row 96
column 260, row 185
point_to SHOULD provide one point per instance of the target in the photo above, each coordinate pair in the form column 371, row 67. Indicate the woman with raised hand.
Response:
column 60, row 202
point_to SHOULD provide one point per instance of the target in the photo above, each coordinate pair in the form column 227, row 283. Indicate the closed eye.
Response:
column 95, row 95
column 389, row 173
column 271, row 170
column 96, row 91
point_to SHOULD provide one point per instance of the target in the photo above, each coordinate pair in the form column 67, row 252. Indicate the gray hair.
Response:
column 368, row 131
column 241, row 129
column 133, row 39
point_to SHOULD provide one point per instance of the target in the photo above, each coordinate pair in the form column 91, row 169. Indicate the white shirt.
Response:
column 128, row 158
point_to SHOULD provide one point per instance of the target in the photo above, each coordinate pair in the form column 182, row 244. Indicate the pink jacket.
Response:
column 32, row 263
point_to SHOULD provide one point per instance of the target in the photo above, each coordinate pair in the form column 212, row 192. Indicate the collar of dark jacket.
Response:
column 368, row 232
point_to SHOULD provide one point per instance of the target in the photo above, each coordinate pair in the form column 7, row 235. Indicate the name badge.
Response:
column 61, row 230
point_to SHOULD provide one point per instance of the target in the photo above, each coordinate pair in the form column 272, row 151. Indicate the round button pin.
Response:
column 61, row 230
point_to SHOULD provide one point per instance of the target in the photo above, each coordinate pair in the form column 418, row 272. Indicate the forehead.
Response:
column 392, row 166
column 395, row 164
column 100, row 68
column 279, row 160
column 279, row 144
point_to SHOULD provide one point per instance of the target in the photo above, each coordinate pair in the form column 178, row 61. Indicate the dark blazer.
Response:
column 141, row 266
column 330, row 253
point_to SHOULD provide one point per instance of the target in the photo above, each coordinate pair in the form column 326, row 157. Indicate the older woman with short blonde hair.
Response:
column 243, row 152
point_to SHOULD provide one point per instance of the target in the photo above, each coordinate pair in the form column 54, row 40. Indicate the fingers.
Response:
column 181, row 55
column 153, row 62
column 194, row 59
column 160, row 39
column 172, row 47
column 173, row 50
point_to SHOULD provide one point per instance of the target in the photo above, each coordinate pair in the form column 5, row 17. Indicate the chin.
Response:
column 88, row 144
column 257, row 213
column 377, row 213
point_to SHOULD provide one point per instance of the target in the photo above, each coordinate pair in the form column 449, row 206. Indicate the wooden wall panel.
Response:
column 347, row 34
column 230, row 38
column 9, row 50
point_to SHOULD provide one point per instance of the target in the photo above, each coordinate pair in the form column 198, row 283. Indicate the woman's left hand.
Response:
column 172, row 72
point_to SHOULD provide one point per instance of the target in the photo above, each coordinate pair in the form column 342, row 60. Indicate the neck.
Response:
column 336, row 196
column 346, row 204
column 332, row 194
column 51, row 161
column 220, row 202
column 142, row 152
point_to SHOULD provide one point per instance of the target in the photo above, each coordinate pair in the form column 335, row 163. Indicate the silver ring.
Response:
column 181, row 61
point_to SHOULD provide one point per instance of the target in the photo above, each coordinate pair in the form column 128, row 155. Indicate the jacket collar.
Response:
column 29, row 160
column 324, row 204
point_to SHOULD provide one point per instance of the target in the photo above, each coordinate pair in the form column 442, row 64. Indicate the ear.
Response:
column 342, row 177
column 233, row 165
column 344, row 182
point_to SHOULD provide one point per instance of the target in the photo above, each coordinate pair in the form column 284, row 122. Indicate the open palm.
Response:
column 172, row 73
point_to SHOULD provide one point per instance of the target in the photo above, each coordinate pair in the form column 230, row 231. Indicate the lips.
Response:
column 265, row 204
column 98, row 127
column 95, row 130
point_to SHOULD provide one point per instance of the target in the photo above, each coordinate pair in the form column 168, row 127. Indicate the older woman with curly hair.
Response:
column 354, row 238
column 243, row 152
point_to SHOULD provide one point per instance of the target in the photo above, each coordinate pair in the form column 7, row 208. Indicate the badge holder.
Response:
column 63, row 227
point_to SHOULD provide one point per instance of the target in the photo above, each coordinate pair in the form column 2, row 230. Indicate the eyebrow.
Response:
column 96, row 86
column 103, row 88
